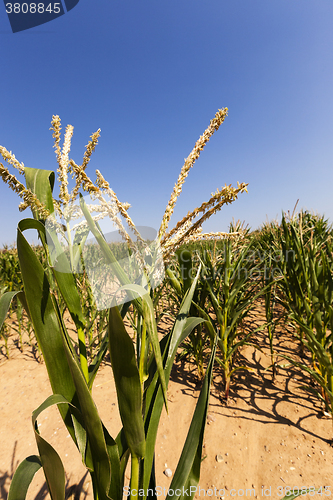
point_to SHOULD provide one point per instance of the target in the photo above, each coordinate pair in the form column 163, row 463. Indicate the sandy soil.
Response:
column 271, row 435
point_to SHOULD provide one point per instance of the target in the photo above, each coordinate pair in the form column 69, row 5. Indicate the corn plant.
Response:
column 300, row 241
column 5, row 303
column 224, row 295
column 20, row 324
column 270, row 256
column 141, row 374
column 233, row 288
column 181, row 278
column 9, row 269
column 306, row 292
column 140, row 400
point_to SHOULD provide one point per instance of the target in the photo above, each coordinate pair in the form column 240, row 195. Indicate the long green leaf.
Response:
column 154, row 396
column 301, row 492
column 45, row 319
column 69, row 291
column 41, row 183
column 174, row 281
column 93, row 425
column 187, row 474
column 149, row 317
column 23, row 477
column 121, row 275
column 127, row 381
column 65, row 278
column 185, row 264
column 50, row 460
column 5, row 301
column 181, row 322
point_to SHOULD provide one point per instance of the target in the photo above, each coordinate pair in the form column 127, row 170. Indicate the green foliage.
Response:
column 141, row 392
column 209, row 290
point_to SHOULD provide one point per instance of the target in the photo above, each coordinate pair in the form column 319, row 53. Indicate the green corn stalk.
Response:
column 5, row 303
column 103, row 456
column 47, row 292
column 233, row 289
column 301, row 242
column 228, row 287
column 318, row 326
column 307, row 294
column 269, row 285
column 180, row 281
column 269, row 310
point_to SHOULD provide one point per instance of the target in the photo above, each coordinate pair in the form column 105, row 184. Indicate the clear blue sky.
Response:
column 151, row 74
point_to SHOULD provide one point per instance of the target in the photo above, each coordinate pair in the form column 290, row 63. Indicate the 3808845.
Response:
column 33, row 8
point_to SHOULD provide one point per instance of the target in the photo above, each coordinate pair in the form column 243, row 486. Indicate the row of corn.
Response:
column 288, row 266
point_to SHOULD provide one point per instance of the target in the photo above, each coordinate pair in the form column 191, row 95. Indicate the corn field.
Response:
column 205, row 285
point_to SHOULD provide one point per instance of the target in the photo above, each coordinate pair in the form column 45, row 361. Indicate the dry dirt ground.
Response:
column 270, row 436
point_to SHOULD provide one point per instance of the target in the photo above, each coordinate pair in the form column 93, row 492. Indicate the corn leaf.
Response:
column 95, row 433
column 127, row 379
column 5, row 301
column 50, row 460
column 185, row 264
column 44, row 316
column 121, row 275
column 302, row 492
column 154, row 396
column 69, row 291
column 149, row 317
column 174, row 281
column 23, row 477
column 64, row 278
column 40, row 182
column 187, row 474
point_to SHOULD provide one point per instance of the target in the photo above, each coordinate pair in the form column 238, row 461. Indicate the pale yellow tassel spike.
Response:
column 95, row 191
column 214, row 200
column 229, row 195
column 90, row 148
column 82, row 179
column 9, row 157
column 214, row 236
column 29, row 199
column 79, row 169
column 56, row 127
column 189, row 162
column 64, row 165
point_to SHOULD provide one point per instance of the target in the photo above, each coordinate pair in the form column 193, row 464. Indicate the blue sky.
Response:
column 151, row 74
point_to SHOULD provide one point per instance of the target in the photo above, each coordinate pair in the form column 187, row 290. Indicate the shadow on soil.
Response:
column 253, row 388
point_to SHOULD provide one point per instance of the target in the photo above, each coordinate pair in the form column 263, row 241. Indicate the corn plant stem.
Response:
column 20, row 335
column 138, row 330
column 95, row 489
column 83, row 353
column 5, row 337
column 70, row 245
column 142, row 353
column 225, row 352
column 134, row 476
